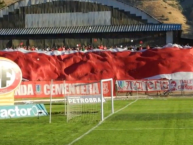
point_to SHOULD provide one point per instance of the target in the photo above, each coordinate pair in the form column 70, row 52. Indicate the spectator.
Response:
column 60, row 49
column 140, row 48
column 147, row 47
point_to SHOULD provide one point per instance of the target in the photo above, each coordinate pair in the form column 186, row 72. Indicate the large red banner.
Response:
column 44, row 89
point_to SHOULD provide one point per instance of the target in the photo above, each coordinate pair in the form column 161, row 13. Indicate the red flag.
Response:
column 95, row 40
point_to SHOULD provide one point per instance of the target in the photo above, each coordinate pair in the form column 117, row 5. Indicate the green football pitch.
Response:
column 158, row 121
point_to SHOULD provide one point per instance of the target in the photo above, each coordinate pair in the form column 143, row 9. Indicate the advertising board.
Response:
column 18, row 111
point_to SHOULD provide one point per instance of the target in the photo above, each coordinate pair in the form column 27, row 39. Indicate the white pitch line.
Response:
column 42, row 100
column 100, row 123
column 144, row 129
column 183, row 109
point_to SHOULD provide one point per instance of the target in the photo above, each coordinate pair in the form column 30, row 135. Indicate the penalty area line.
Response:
column 101, row 123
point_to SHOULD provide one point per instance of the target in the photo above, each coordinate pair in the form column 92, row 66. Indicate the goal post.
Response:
column 102, row 96
column 89, row 100
column 50, row 114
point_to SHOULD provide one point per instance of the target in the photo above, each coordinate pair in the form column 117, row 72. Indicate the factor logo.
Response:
column 10, row 75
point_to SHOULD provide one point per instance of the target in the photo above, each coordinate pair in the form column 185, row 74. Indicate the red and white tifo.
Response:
column 168, row 62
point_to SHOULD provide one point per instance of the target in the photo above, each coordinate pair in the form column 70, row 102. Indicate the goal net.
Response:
column 92, row 101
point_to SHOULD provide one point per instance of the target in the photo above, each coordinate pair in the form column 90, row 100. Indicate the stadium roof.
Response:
column 92, row 29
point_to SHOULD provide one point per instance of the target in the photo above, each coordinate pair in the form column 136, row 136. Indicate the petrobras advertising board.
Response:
column 84, row 99
column 18, row 111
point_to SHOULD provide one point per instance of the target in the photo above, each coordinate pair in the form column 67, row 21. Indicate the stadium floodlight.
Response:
column 89, row 106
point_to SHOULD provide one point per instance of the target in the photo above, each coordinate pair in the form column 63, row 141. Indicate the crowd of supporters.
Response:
column 80, row 48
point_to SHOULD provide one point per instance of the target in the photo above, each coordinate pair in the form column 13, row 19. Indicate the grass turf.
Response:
column 151, row 122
